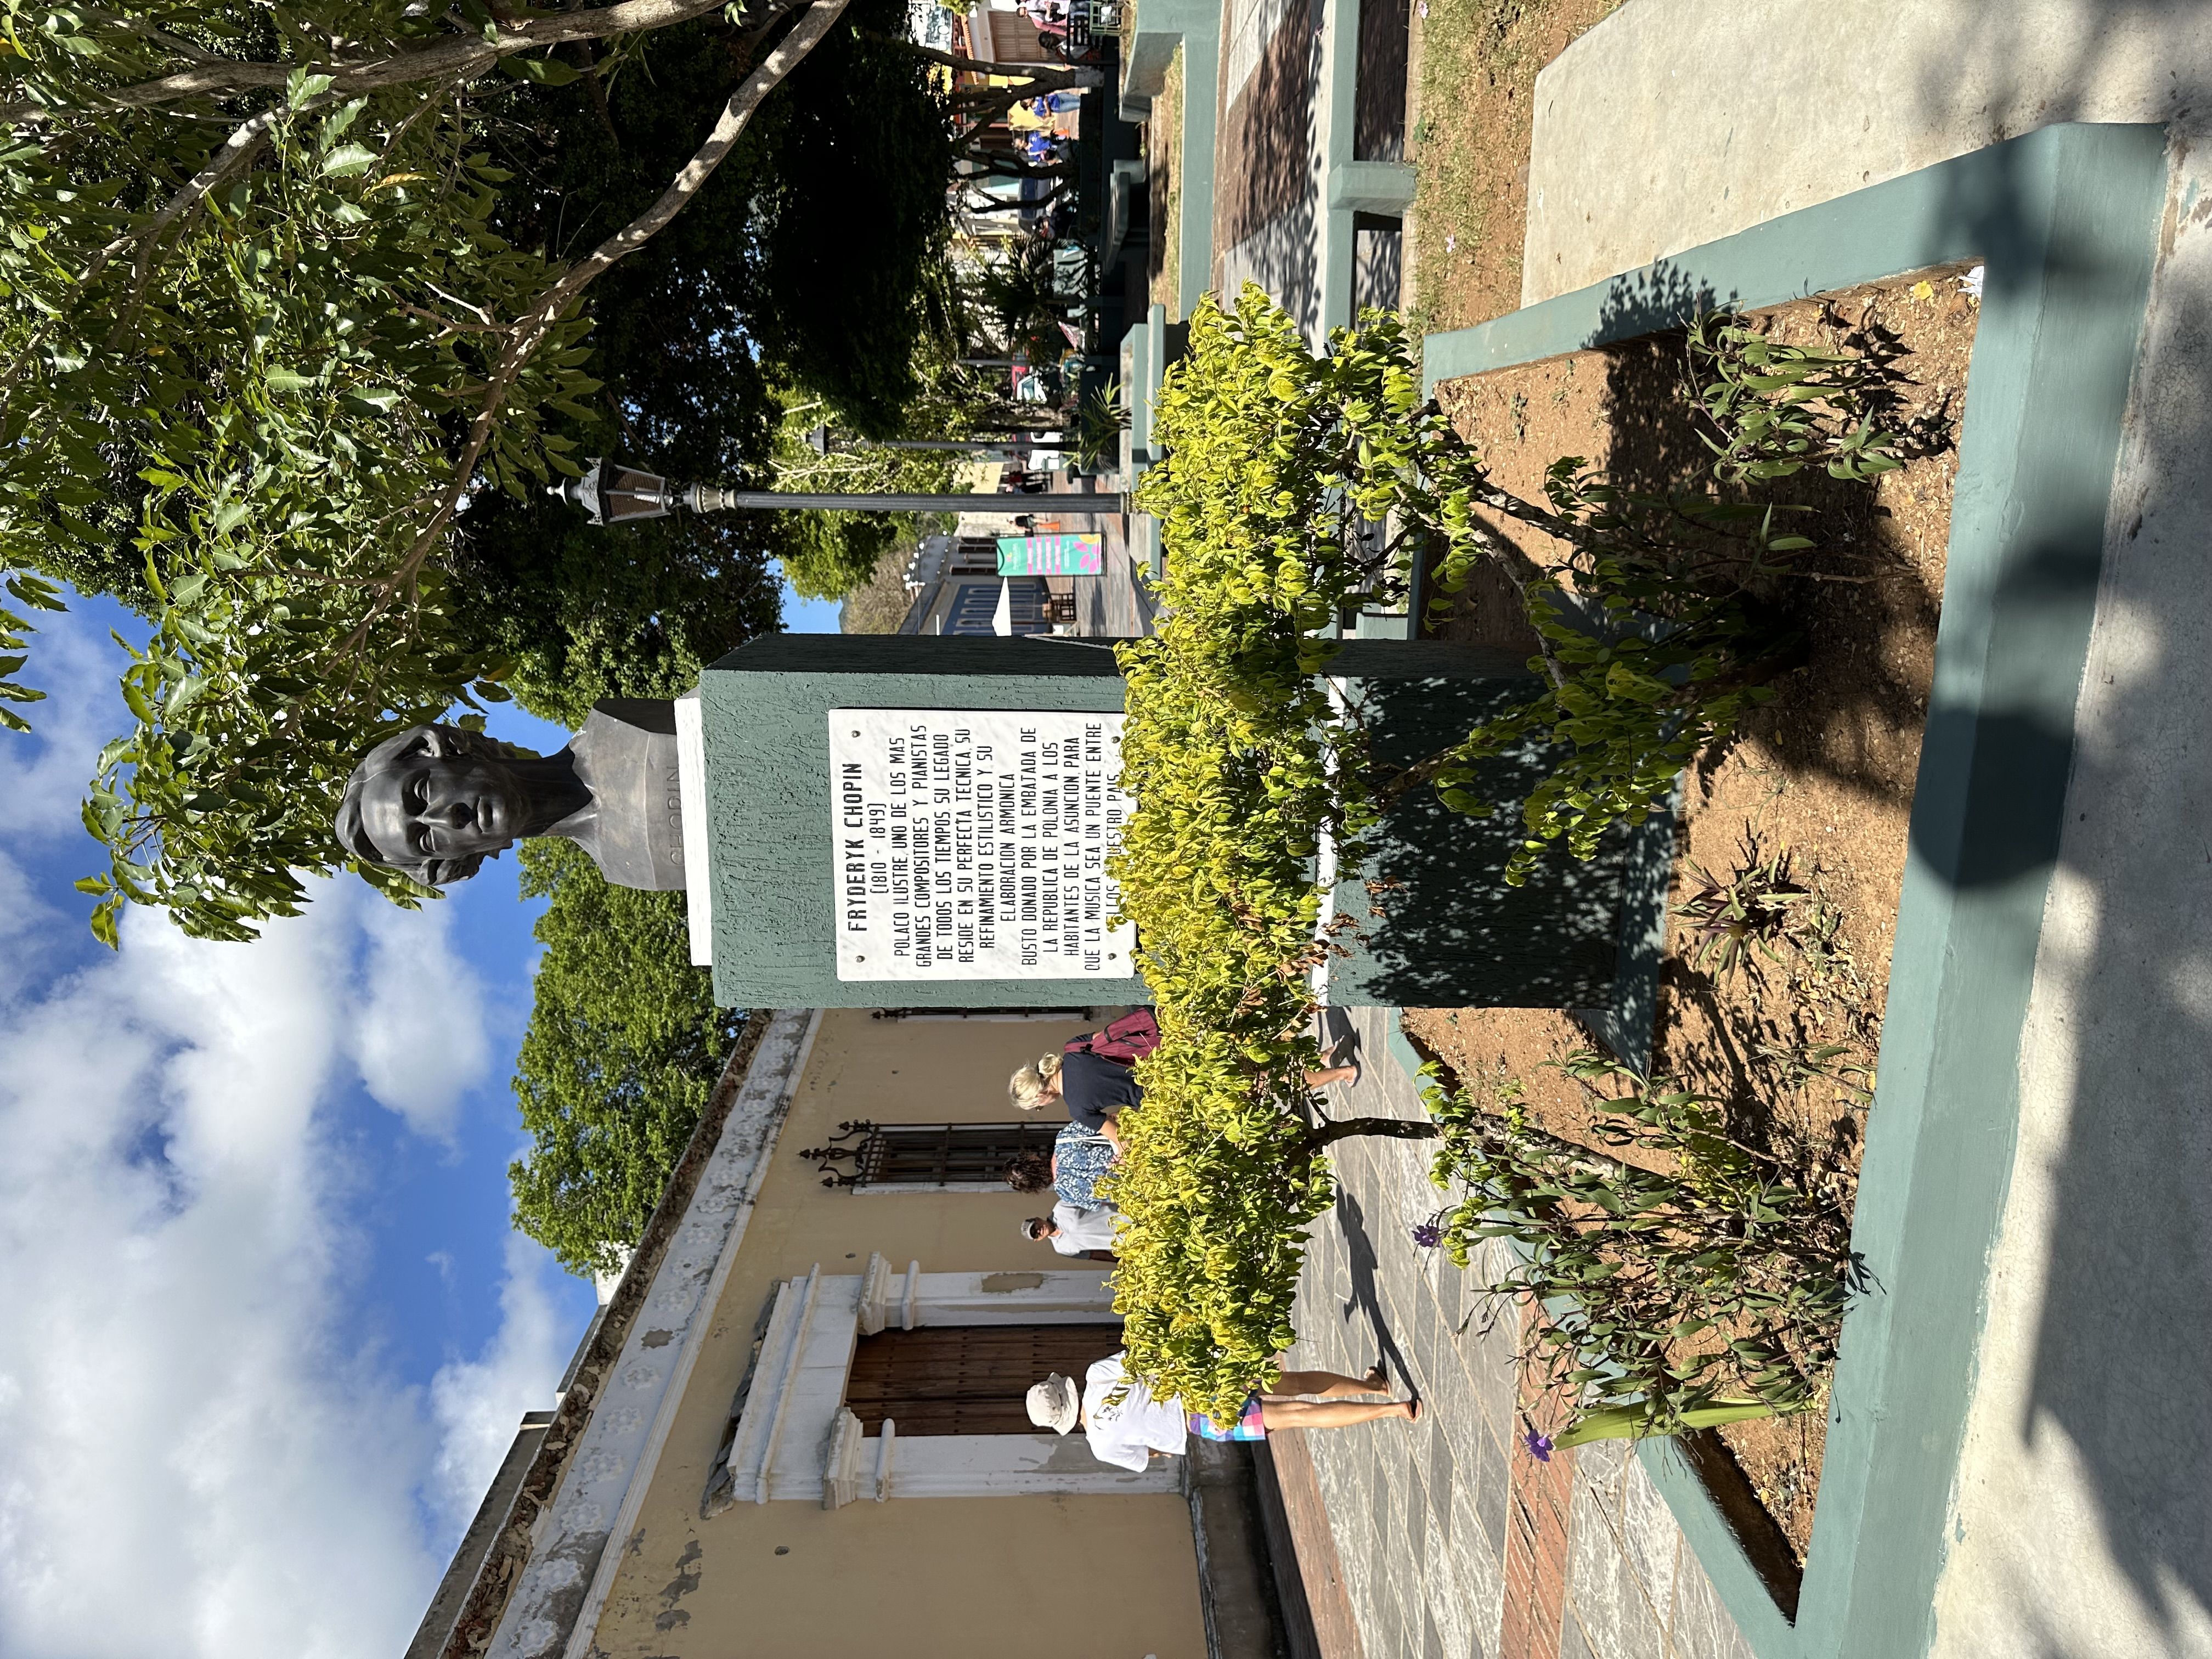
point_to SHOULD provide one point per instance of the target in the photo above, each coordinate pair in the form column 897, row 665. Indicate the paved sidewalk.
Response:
column 1268, row 162
column 1452, row 1539
column 1116, row 605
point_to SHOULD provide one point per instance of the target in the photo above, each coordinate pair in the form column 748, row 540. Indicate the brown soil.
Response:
column 1825, row 771
column 1164, row 174
column 1475, row 104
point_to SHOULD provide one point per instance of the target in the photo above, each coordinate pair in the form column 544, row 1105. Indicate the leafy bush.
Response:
column 1240, row 766
column 1774, row 409
column 1713, row 1292
column 1751, row 907
column 1652, row 637
column 1293, row 483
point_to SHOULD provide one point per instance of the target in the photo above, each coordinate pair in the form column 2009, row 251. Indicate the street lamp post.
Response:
column 819, row 441
column 624, row 495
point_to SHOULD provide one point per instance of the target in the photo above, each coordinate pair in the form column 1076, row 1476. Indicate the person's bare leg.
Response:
column 1333, row 1413
column 1330, row 1385
column 1333, row 1074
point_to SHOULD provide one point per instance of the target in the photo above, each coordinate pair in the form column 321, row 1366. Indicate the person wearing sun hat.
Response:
column 1126, row 1426
column 1124, row 1432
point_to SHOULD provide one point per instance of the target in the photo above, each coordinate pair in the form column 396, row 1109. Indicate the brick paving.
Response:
column 1538, row 1508
column 1451, row 1539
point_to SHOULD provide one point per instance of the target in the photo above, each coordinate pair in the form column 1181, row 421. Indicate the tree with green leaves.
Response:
column 257, row 314
column 624, row 1047
column 708, row 373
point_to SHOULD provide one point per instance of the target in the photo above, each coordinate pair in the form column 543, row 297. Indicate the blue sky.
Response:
column 267, row 1315
column 808, row 616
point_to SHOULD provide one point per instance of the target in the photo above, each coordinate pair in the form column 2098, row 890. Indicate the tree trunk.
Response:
column 1396, row 1129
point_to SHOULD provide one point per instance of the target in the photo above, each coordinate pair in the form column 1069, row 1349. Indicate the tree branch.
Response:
column 454, row 55
column 449, row 325
column 234, row 152
column 1488, row 494
column 1016, row 207
column 1518, row 567
column 532, row 328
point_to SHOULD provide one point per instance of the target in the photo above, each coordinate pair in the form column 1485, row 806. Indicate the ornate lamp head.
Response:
column 621, row 494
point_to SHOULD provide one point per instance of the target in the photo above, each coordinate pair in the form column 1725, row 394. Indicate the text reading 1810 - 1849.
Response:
column 972, row 844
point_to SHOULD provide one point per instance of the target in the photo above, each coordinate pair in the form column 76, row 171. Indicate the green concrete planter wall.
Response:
column 1162, row 26
column 2065, row 222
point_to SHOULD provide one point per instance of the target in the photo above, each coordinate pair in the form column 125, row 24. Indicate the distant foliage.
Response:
column 624, row 1047
column 770, row 292
column 833, row 554
column 856, row 217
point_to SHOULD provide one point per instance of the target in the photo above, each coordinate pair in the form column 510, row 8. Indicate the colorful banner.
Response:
column 1052, row 556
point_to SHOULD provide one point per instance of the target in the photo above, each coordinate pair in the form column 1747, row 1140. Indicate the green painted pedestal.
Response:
column 1451, row 932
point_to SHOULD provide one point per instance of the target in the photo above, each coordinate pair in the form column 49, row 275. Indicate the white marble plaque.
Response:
column 972, row 844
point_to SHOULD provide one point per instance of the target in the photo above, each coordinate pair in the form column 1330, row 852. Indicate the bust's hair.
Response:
column 1026, row 1086
column 353, row 836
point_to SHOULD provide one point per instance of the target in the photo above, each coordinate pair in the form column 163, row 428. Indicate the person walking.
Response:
column 1093, row 1076
column 1074, row 1231
column 1126, row 1427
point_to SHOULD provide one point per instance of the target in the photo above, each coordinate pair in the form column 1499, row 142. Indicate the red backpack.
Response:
column 1125, row 1040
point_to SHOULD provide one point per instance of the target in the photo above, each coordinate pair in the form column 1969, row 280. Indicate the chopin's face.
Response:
column 435, row 801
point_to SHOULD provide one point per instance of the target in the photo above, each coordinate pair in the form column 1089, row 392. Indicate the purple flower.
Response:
column 1539, row 1445
column 1428, row 1234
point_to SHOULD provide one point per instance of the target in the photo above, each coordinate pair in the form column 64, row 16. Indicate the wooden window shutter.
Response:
column 966, row 1379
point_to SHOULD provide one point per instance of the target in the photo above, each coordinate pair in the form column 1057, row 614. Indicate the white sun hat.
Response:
column 1052, row 1404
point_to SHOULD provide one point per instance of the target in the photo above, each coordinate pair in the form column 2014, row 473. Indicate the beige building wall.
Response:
column 1106, row 1577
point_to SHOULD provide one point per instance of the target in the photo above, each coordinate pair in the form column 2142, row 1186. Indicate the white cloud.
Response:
column 473, row 1402
column 181, row 1411
column 418, row 1028
column 24, row 913
column 199, row 1456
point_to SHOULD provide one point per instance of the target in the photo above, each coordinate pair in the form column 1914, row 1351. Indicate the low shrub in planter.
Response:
column 1295, row 483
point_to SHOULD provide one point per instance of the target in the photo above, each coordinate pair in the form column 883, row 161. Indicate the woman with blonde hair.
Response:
column 1096, row 1086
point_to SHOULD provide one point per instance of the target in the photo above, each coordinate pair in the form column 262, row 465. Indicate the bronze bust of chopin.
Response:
column 434, row 802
